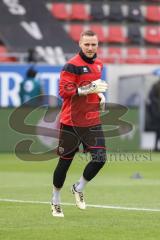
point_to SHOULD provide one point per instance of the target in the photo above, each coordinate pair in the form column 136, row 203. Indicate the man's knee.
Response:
column 98, row 156
column 97, row 162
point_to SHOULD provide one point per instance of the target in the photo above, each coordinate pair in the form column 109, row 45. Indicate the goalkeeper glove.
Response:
column 97, row 86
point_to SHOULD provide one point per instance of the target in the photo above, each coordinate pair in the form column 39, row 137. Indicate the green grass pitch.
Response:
column 113, row 186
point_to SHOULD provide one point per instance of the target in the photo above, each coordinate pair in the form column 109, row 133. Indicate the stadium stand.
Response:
column 26, row 28
column 134, row 12
column 134, row 55
column 116, row 34
column 97, row 11
column 153, row 13
column 134, row 34
column 152, row 34
column 115, row 11
column 4, row 55
column 123, row 27
column 79, row 12
column 99, row 29
column 152, row 53
column 113, row 54
column 60, row 11
column 75, row 30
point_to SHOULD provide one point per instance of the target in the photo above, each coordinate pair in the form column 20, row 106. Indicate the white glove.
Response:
column 102, row 101
column 97, row 86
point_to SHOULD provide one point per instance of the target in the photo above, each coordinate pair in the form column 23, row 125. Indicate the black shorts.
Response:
column 71, row 137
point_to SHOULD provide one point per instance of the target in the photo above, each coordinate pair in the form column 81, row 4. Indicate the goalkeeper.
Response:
column 81, row 89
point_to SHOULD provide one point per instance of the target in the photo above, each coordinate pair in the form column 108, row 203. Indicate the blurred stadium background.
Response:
column 44, row 34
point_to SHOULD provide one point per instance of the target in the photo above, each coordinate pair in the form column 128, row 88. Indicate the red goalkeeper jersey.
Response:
column 81, row 111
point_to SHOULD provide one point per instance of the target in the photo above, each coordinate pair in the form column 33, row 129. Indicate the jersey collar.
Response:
column 86, row 59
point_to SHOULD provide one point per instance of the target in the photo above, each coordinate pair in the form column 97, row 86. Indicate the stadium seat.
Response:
column 75, row 31
column 116, row 34
column 101, row 52
column 152, row 55
column 115, row 11
column 134, row 12
column 153, row 13
column 113, row 55
column 98, row 28
column 59, row 10
column 3, row 55
column 79, row 12
column 97, row 12
column 152, row 34
column 134, row 34
column 134, row 55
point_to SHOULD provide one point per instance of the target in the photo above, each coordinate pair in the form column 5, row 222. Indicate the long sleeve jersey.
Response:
column 81, row 111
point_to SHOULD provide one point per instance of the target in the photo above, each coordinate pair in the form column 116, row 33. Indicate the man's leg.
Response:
column 59, row 177
column 66, row 150
column 95, row 143
column 90, row 171
column 93, row 167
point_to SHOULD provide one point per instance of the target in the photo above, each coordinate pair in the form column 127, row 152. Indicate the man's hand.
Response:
column 97, row 86
column 102, row 101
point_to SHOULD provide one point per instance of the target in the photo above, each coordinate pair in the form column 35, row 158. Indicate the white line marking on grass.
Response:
column 88, row 205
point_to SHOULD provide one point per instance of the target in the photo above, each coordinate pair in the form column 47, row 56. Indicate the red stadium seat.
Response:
column 152, row 55
column 153, row 13
column 79, row 12
column 98, row 28
column 101, row 52
column 116, row 34
column 134, row 55
column 59, row 10
column 113, row 55
column 152, row 34
column 75, row 31
column 3, row 55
